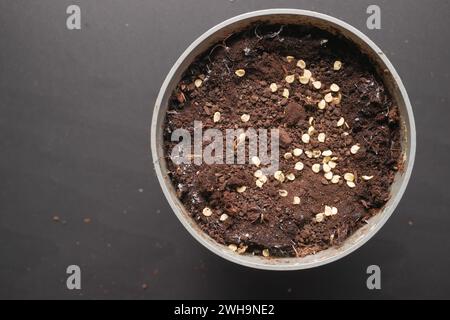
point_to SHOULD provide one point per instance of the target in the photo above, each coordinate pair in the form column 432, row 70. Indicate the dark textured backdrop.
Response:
column 75, row 111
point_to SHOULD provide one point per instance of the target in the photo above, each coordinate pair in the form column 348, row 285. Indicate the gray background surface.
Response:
column 75, row 111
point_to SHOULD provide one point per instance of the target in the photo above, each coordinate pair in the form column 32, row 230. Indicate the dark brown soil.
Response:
column 260, row 218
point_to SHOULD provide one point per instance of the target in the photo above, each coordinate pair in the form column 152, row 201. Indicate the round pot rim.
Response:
column 232, row 256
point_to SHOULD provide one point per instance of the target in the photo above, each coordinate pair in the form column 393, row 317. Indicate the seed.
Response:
column 328, row 211
column 258, row 174
column 266, row 253
column 240, row 72
column 337, row 100
column 232, row 247
column 259, row 183
column 242, row 249
column 332, row 164
column 282, row 193
column 263, row 179
column 322, row 104
column 337, row 65
column 241, row 189
column 198, row 83
column 299, row 166
column 301, row 64
column 315, row 168
column 311, row 120
column 349, row 176
column 334, row 211
column 216, row 117
column 303, row 80
column 290, row 176
column 351, row 184
column 328, row 97
column 290, row 78
column 340, row 122
column 241, row 138
column 273, row 87
column 245, row 117
column 327, row 153
column 354, row 149
column 278, row 175
column 321, row 137
column 319, row 217
column 317, row 85
column 334, row 87
column 335, row 179
column 290, row 58
column 328, row 175
column 309, row 153
column 297, row 152
column 311, row 130
column 256, row 161
column 288, row 155
column 285, row 93
column 307, row 73
column 316, row 153
column 296, row 200
column 367, row 177
column 305, row 138
column 207, row 212
column 326, row 168
column 223, row 217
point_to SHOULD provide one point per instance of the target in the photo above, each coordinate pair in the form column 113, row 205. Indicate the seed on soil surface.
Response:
column 354, row 149
column 279, row 175
column 367, row 177
column 315, row 168
column 311, row 121
column 296, row 200
column 290, row 176
column 263, row 179
column 290, row 58
column 317, row 85
column 223, row 217
column 232, row 247
column 303, row 80
column 290, row 78
column 266, row 253
column 207, row 212
column 259, row 183
column 245, row 117
column 256, row 161
column 351, row 184
column 327, row 153
column 334, row 87
column 305, row 138
column 337, row 65
column 320, row 217
column 334, row 211
column 311, row 130
column 328, row 211
column 288, row 155
column 240, row 72
column 285, row 93
column 309, row 153
column 340, row 122
column 301, row 64
column 297, row 152
column 335, row 179
column 307, row 73
column 332, row 164
column 321, row 137
column 326, row 168
column 258, row 174
column 241, row 189
column 328, row 175
column 198, row 83
column 328, row 97
column 322, row 104
column 216, row 117
column 273, row 87
column 349, row 176
column 282, row 193
column 316, row 153
column 242, row 249
column 299, row 166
